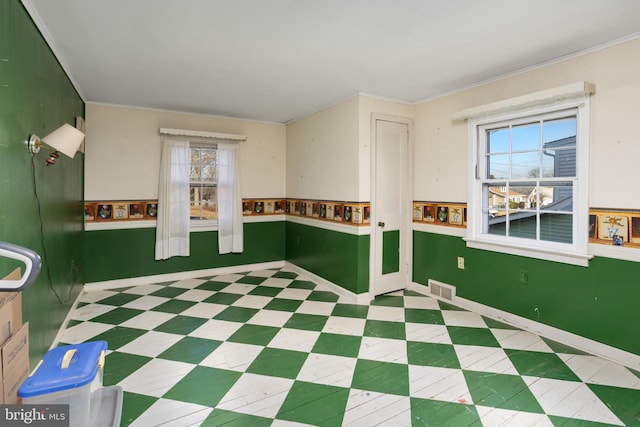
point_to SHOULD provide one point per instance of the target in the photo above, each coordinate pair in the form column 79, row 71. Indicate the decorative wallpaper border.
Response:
column 617, row 227
column 348, row 213
column 613, row 226
column 104, row 211
column 445, row 214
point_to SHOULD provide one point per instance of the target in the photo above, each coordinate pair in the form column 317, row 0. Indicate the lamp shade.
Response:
column 66, row 139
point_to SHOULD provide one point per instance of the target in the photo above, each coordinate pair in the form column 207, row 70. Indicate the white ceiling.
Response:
column 277, row 60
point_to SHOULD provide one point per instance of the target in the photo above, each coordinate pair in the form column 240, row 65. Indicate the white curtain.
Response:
column 230, row 238
column 172, row 229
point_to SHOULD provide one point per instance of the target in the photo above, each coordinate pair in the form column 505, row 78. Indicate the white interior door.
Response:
column 391, row 215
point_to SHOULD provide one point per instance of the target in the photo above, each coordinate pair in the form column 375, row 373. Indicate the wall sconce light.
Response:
column 66, row 140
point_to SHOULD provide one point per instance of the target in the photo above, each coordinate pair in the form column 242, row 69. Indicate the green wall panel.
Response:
column 36, row 97
column 390, row 251
column 599, row 302
column 119, row 254
column 340, row 258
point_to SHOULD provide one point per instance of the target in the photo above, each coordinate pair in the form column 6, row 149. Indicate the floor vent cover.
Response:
column 441, row 290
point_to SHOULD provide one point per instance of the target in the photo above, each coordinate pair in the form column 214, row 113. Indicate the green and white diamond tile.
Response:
column 273, row 318
column 219, row 330
column 171, row 412
column 188, row 283
column 232, row 356
column 94, row 296
column 82, row 332
column 293, row 339
column 368, row 408
column 148, row 320
column 484, row 359
column 146, row 302
column 270, row 348
column 91, row 310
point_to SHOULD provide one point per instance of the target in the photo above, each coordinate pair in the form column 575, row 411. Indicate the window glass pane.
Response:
column 195, row 211
column 525, row 137
column 209, row 194
column 498, row 166
column 493, row 211
column 556, row 196
column 194, row 193
column 498, row 141
column 556, row 227
column 495, row 197
column 209, row 210
column 556, row 130
column 195, row 155
column 525, row 165
column 208, row 173
column 203, row 202
column 194, row 172
column 208, row 155
column 194, row 168
column 522, row 224
column 521, row 195
column 496, row 224
column 559, row 163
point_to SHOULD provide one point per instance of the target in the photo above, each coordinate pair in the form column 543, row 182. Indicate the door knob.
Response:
column 380, row 224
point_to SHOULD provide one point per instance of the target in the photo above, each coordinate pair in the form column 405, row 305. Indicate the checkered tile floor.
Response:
column 269, row 348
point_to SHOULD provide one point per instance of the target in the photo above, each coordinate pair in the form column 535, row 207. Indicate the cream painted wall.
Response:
column 329, row 152
column 327, row 155
column 441, row 145
column 122, row 151
column 322, row 154
column 367, row 107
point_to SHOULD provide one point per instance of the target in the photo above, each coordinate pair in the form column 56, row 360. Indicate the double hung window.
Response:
column 199, row 189
column 528, row 186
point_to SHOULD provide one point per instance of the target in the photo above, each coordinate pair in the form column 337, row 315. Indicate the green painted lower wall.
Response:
column 120, row 254
column 599, row 302
column 340, row 258
column 36, row 97
column 390, row 251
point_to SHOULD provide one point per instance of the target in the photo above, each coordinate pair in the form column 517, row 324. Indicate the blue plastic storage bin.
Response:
column 68, row 375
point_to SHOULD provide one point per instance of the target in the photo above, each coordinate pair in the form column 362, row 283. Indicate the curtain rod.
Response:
column 202, row 134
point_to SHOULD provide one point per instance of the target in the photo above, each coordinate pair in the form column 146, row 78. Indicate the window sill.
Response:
column 197, row 227
column 581, row 260
column 615, row 252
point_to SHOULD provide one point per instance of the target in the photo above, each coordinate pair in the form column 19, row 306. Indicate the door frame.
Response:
column 407, row 197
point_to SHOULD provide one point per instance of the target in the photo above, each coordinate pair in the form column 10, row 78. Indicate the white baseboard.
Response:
column 581, row 343
column 192, row 274
column 330, row 286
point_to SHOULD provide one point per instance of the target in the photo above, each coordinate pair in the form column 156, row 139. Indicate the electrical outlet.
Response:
column 461, row 263
column 524, row 276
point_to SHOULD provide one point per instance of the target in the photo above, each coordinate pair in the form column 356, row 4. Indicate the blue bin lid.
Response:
column 50, row 376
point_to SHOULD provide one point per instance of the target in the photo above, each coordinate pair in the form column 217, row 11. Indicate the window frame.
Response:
column 574, row 253
column 196, row 225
